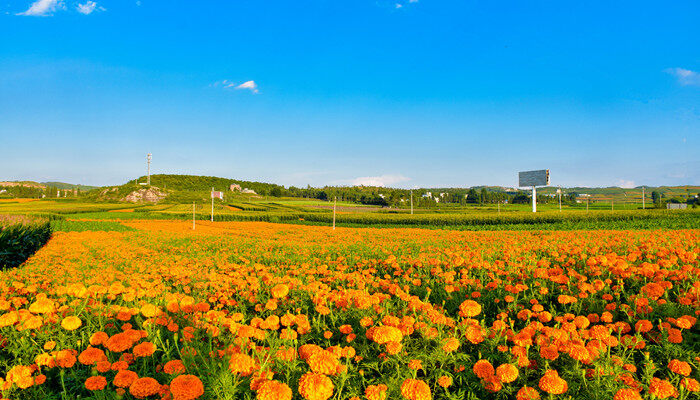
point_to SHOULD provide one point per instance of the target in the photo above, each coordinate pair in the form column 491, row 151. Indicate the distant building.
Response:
column 217, row 195
column 676, row 206
column 235, row 188
column 248, row 191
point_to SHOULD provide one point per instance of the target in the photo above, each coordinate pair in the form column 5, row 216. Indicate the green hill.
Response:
column 195, row 183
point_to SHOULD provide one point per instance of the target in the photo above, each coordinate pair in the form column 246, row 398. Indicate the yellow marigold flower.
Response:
column 71, row 323
column 280, row 290
column 313, row 386
column 414, row 389
column 385, row 334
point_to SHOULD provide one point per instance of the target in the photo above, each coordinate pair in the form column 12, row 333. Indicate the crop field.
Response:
column 150, row 309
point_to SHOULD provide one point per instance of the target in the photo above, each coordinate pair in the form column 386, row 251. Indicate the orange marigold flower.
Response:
column 376, row 392
column 65, row 358
column 643, row 326
column 483, row 369
column 144, row 387
column 679, row 367
column 450, row 344
column 323, row 362
column 242, row 364
column 98, row 338
column 469, row 308
column 144, row 349
column 474, row 334
column 552, row 383
column 274, row 390
column 662, row 388
column 415, row 389
column 124, row 378
column 527, row 393
column 445, row 381
column 92, row 355
column 71, row 323
column 173, row 367
column 95, row 383
column 599, row 332
column 186, row 387
column 627, row 394
column 119, row 342
column 507, row 373
column 690, row 384
column 313, row 386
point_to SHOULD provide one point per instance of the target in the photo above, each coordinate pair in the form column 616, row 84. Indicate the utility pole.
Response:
column 335, row 199
column 534, row 199
column 498, row 205
column 148, row 169
column 212, row 204
column 612, row 205
column 643, row 205
column 411, row 201
column 559, row 191
column 193, row 215
column 587, row 198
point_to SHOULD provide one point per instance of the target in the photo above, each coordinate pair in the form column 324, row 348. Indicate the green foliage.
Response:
column 19, row 241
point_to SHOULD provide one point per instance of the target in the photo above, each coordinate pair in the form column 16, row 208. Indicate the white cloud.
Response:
column 626, row 184
column 685, row 77
column 226, row 84
column 250, row 85
column 42, row 8
column 88, row 7
column 383, row 180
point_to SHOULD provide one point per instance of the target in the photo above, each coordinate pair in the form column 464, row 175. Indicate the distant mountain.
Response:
column 63, row 185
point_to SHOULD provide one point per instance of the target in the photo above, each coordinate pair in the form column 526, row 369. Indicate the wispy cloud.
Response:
column 226, row 84
column 42, row 8
column 403, row 3
column 88, row 8
column 382, row 180
column 249, row 85
column 685, row 77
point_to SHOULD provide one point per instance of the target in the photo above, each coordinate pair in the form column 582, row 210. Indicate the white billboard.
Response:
column 533, row 178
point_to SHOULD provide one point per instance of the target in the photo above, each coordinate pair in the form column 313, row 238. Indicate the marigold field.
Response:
column 247, row 310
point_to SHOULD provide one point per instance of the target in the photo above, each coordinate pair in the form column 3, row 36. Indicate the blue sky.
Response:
column 403, row 93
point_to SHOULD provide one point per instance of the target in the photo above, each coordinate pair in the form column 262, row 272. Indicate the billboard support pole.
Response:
column 534, row 199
